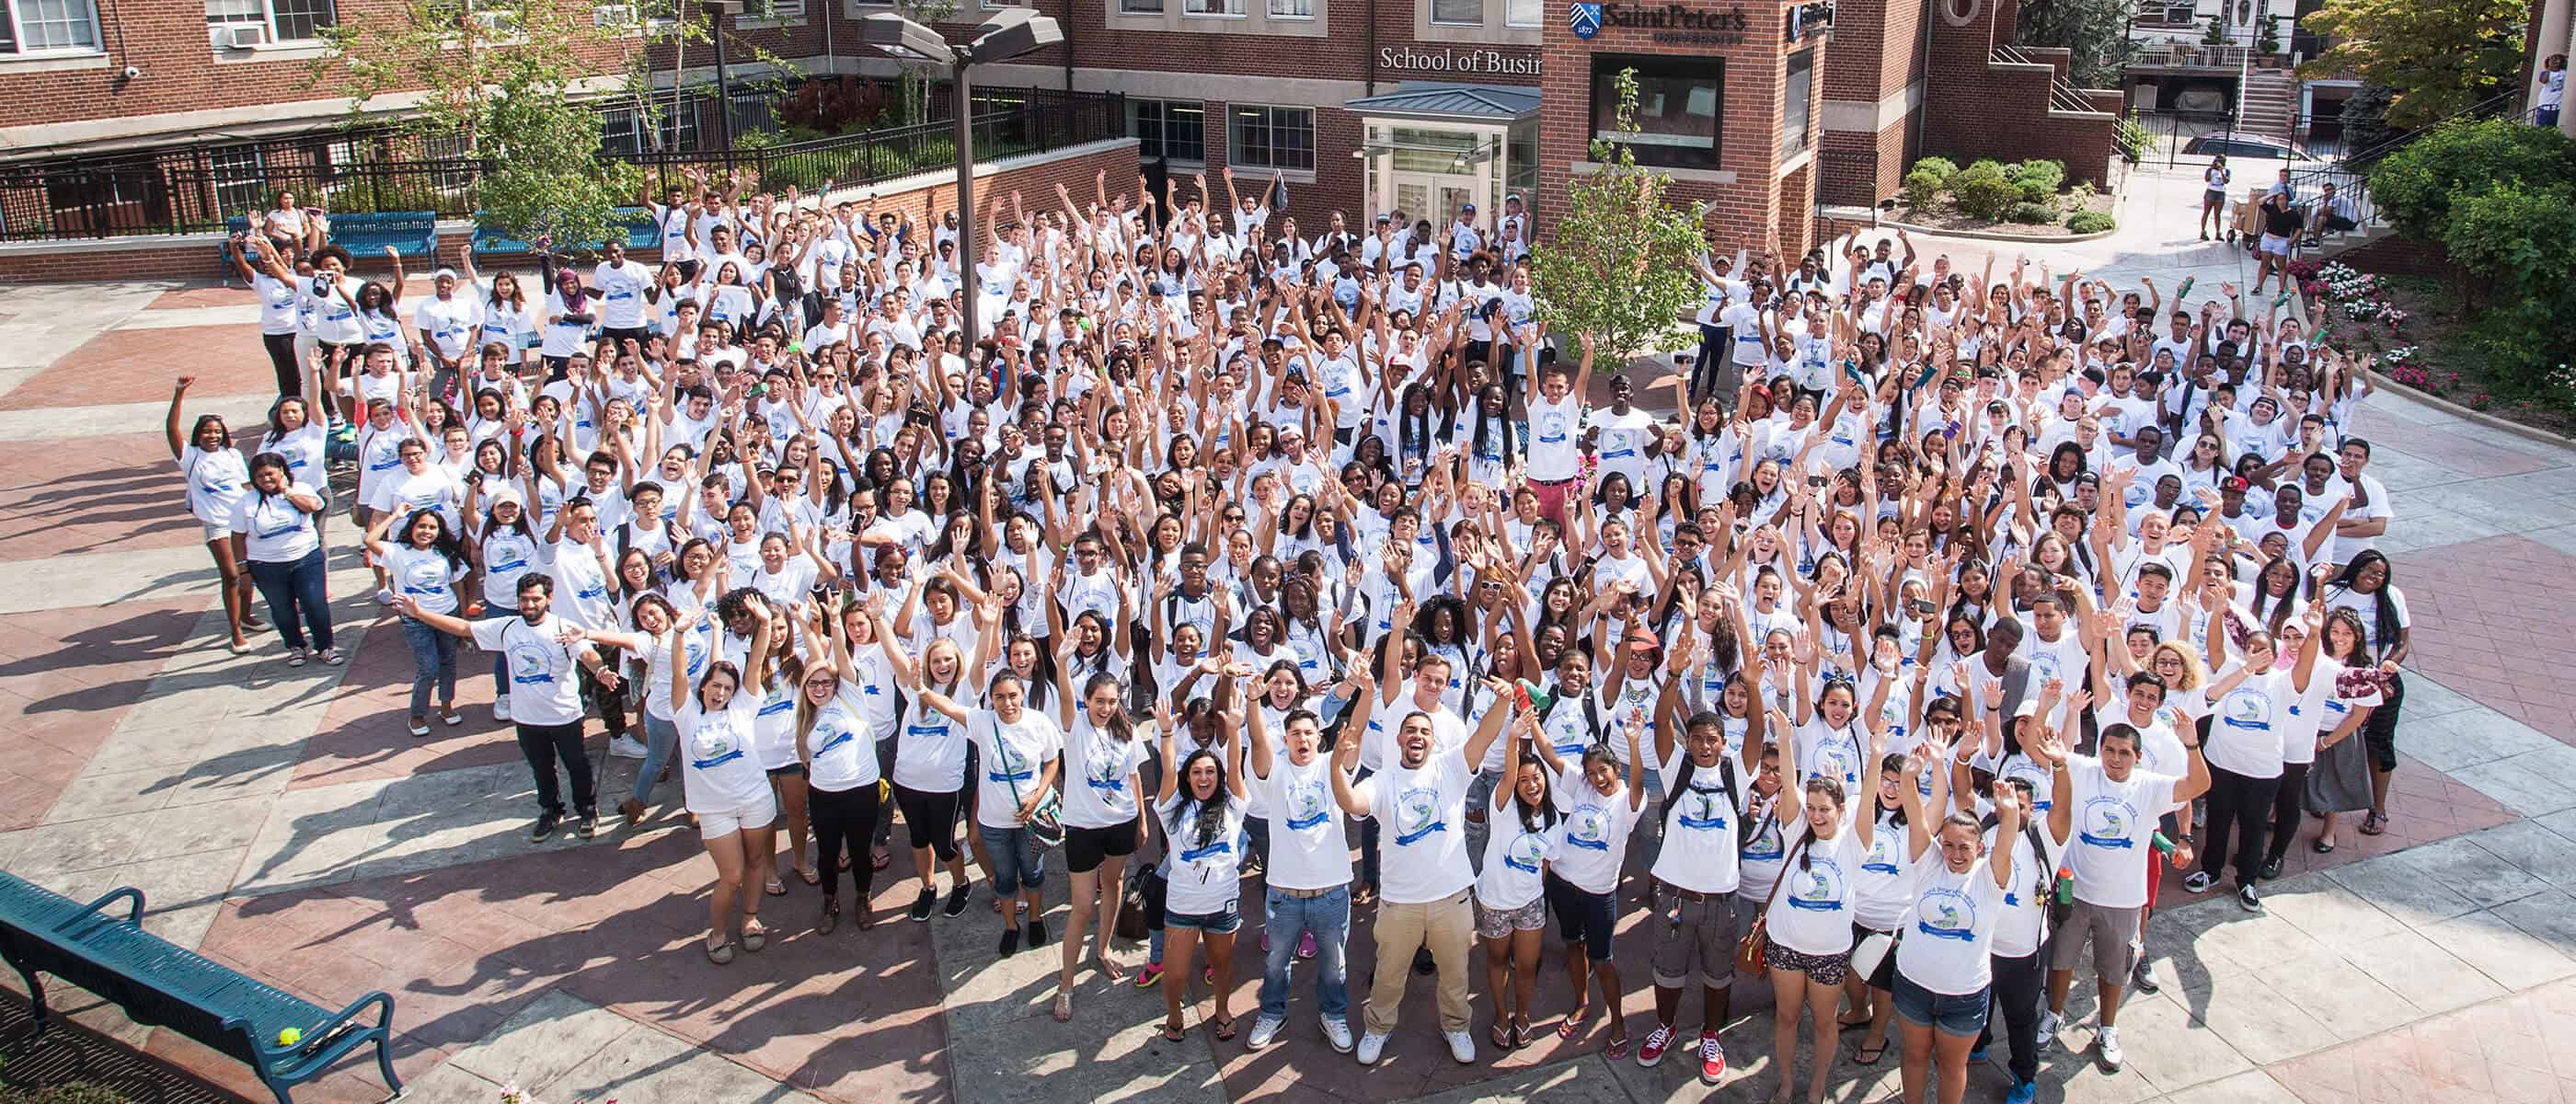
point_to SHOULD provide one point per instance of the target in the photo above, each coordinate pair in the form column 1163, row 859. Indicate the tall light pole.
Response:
column 717, row 11
column 1013, row 32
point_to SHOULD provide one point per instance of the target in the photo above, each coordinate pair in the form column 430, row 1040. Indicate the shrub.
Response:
column 2030, row 214
column 2090, row 222
column 1923, row 188
column 1940, row 167
column 1980, row 191
column 2037, row 181
column 76, row 1092
column 2416, row 186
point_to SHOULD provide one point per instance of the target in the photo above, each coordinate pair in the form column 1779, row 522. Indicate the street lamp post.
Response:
column 717, row 11
column 1013, row 32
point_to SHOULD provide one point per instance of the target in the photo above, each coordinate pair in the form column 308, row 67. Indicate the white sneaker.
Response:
column 2110, row 1043
column 626, row 747
column 1462, row 1046
column 1264, row 1031
column 501, row 708
column 1337, row 1033
column 2050, row 1023
column 1372, row 1045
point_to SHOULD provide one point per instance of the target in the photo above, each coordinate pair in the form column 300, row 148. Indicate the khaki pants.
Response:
column 1448, row 927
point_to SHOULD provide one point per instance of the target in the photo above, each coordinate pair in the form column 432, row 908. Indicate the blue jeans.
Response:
column 1018, row 862
column 661, row 738
column 500, row 660
column 433, row 660
column 1328, row 919
column 1961, row 1016
column 1368, row 838
column 294, row 589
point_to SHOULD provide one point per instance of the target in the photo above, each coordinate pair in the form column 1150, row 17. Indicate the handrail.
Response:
column 2062, row 93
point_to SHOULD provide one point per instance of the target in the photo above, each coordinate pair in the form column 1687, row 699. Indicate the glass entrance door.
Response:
column 1431, row 173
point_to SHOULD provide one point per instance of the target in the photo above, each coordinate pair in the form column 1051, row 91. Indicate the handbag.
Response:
column 1874, row 959
column 1045, row 824
column 1144, row 891
column 1757, row 935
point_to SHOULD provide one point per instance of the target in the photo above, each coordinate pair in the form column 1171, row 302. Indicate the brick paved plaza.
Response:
column 281, row 822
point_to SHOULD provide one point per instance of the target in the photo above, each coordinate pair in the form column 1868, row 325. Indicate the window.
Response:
column 1274, row 138
column 1227, row 8
column 1797, row 103
column 1171, row 129
column 277, row 20
column 1679, row 102
column 1141, row 7
column 1292, row 9
column 1464, row 12
column 780, row 10
column 1521, row 13
column 239, row 183
column 621, row 129
column 753, row 111
column 40, row 26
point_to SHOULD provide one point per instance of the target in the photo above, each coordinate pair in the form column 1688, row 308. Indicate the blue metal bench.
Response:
column 641, row 234
column 411, row 233
column 164, row 985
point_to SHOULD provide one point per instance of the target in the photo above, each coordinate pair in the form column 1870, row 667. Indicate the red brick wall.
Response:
column 1748, row 212
column 2003, row 112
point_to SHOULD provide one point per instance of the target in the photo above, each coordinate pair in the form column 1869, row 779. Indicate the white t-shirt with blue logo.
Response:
column 1010, row 758
column 719, row 775
column 1812, row 911
column 2115, row 826
column 1308, row 849
column 1206, row 872
column 1950, row 932
column 1515, row 855
column 1593, row 836
column 544, row 686
column 1422, row 841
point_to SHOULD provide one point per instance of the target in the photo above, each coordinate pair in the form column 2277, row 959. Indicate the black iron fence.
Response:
column 194, row 189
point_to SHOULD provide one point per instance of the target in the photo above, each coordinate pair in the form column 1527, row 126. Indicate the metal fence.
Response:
column 194, row 189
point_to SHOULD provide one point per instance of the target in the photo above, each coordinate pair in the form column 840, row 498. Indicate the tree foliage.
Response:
column 2417, row 185
column 503, row 77
column 1619, row 265
column 2094, row 33
column 2436, row 57
column 2495, row 193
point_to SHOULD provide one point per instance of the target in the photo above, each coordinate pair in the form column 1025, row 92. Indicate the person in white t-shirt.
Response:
column 2106, row 810
column 726, row 789
column 217, row 478
column 1104, row 822
column 836, row 741
column 1944, row 967
column 1556, row 418
column 1308, row 881
column 1511, row 891
column 276, row 539
column 1201, row 805
column 545, row 653
column 1809, row 915
column 1602, row 804
column 1422, row 798
column 1705, row 799
column 1019, row 751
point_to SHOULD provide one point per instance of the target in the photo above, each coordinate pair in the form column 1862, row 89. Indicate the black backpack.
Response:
column 2039, row 853
column 1682, row 783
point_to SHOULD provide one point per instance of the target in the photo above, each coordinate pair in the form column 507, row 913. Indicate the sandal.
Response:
column 775, row 888
column 1522, row 1035
column 720, row 953
column 1573, row 1024
column 1618, row 1047
column 1063, row 1007
column 754, row 937
column 2322, row 846
column 880, row 862
column 1501, row 1034
column 1851, row 1025
column 1175, row 1035
column 1868, row 1056
column 1224, row 1029
column 2374, row 824
column 808, row 873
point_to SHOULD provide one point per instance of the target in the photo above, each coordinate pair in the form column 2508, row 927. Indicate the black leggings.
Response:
column 281, row 356
column 2017, row 992
column 609, row 702
column 932, row 819
column 2243, row 806
column 844, row 817
column 2286, row 808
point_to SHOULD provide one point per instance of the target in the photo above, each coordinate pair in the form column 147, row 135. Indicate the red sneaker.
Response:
column 1657, row 1042
column 1712, row 1059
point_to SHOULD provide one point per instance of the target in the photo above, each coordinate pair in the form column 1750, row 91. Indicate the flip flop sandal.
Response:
column 1501, row 1034
column 811, row 876
column 1224, row 1030
column 1064, row 1008
column 1850, row 1025
column 2374, row 824
column 775, row 888
column 753, row 939
column 1175, row 1035
column 1873, row 1055
column 880, row 862
column 1618, row 1049
column 720, row 954
column 1522, row 1034
column 1573, row 1024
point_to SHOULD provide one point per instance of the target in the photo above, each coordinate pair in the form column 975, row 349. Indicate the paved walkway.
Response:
column 281, row 822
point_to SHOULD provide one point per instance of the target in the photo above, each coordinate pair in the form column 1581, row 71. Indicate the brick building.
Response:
column 1357, row 105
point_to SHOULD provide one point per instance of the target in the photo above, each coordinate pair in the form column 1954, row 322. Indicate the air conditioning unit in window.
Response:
column 246, row 35
column 614, row 15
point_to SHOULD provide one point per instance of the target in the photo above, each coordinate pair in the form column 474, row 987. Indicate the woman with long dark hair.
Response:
column 277, row 535
column 423, row 563
column 2368, row 587
column 217, row 477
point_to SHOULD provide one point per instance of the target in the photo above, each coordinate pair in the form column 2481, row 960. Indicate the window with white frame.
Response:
column 1292, row 9
column 781, row 10
column 1521, row 13
column 48, row 26
column 1228, row 8
column 1174, row 129
column 1463, row 13
column 240, row 185
column 1141, row 7
column 276, row 20
column 1797, row 102
column 1273, row 138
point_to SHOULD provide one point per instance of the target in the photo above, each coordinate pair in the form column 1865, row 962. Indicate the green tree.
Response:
column 502, row 78
column 2416, row 186
column 2094, row 33
column 1619, row 265
column 2436, row 57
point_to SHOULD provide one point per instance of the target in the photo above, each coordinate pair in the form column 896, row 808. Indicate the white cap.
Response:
column 509, row 494
column 444, row 274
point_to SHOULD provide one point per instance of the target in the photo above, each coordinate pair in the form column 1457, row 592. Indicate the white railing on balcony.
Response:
column 2187, row 55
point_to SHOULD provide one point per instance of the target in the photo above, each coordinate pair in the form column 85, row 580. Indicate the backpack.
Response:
column 1681, row 784
column 2047, row 874
column 1591, row 715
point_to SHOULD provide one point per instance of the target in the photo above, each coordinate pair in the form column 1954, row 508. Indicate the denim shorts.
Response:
column 1224, row 921
column 1018, row 862
column 1960, row 1016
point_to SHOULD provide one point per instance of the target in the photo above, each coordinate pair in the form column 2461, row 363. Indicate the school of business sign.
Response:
column 1664, row 22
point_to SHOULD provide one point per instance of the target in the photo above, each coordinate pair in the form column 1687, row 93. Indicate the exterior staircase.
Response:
column 2269, row 104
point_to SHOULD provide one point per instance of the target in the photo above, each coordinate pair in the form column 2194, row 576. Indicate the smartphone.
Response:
column 1816, row 481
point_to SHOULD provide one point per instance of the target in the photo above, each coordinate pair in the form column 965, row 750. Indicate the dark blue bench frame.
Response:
column 53, row 938
column 411, row 233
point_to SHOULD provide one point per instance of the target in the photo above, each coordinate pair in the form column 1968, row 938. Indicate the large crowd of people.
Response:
column 1247, row 569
